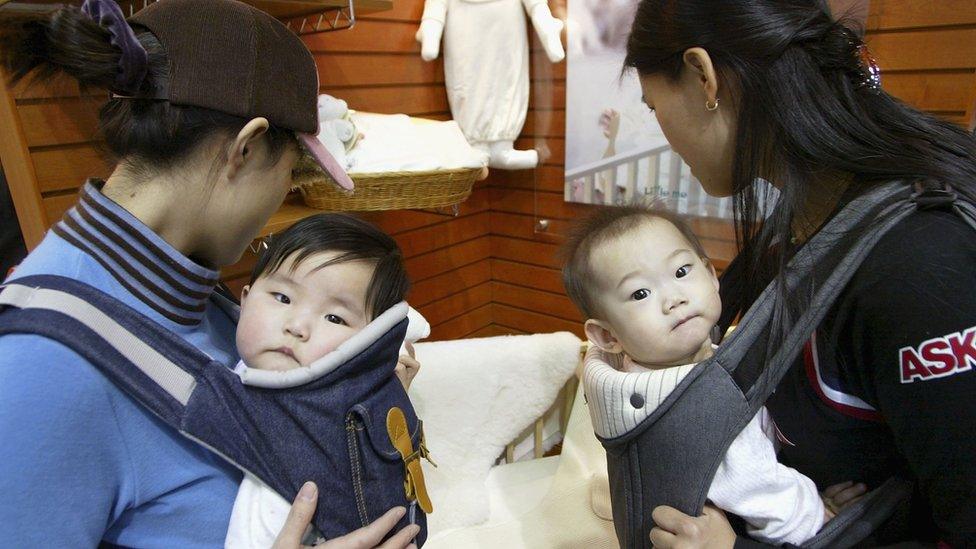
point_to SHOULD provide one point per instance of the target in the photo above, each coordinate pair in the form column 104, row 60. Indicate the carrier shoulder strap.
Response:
column 109, row 334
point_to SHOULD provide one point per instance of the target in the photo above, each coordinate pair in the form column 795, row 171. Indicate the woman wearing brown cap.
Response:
column 212, row 102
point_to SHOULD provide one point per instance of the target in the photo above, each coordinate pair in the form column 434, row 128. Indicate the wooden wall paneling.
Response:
column 545, row 123
column 951, row 91
column 418, row 99
column 59, row 85
column 549, row 96
column 65, row 167
column 19, row 170
column 545, row 204
column 444, row 234
column 449, row 283
column 525, row 226
column 532, row 321
column 540, row 254
column 543, row 178
column 493, row 330
column 552, row 150
column 368, row 36
column 55, row 205
column 429, row 265
column 60, row 121
column 402, row 11
column 464, row 325
column 554, row 304
column 339, row 70
column 523, row 274
column 952, row 48
column 899, row 14
column 928, row 55
column 452, row 306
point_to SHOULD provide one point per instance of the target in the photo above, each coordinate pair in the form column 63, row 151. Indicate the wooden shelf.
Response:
column 292, row 210
column 281, row 9
column 288, row 9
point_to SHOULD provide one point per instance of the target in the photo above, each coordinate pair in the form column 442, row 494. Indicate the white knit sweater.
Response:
column 779, row 504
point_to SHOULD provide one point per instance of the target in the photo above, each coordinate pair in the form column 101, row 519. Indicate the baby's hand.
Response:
column 841, row 495
column 407, row 367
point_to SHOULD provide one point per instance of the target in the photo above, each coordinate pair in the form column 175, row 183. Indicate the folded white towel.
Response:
column 396, row 142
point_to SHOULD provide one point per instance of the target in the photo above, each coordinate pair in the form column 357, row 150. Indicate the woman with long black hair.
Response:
column 778, row 91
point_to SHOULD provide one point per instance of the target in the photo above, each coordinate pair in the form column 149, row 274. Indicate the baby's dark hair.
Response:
column 603, row 225
column 354, row 240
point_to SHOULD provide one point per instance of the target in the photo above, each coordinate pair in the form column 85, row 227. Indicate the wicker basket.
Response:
column 388, row 190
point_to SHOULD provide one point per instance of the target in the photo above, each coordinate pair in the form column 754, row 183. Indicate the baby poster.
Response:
column 615, row 151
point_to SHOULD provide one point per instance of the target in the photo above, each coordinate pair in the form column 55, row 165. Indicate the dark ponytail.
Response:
column 148, row 135
column 805, row 110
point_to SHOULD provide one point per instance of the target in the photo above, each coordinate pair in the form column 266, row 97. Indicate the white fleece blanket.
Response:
column 475, row 396
column 568, row 513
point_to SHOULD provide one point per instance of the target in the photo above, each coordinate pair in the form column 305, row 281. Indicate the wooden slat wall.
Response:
column 487, row 271
column 927, row 54
column 48, row 150
column 55, row 128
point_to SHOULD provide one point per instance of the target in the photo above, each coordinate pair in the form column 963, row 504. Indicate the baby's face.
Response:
column 659, row 298
column 291, row 318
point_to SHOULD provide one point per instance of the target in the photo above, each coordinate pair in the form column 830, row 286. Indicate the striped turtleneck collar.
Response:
column 150, row 268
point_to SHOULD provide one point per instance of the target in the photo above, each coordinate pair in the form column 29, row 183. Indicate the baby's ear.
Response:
column 711, row 269
column 600, row 335
column 244, row 292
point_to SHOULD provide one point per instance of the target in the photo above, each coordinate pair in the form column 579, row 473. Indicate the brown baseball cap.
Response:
column 233, row 58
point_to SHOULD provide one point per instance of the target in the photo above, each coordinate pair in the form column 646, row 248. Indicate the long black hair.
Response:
column 148, row 135
column 803, row 113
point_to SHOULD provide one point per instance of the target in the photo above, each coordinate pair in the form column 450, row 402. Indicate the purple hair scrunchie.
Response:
column 134, row 63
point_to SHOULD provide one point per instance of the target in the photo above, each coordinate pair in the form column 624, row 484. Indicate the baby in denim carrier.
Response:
column 319, row 283
column 650, row 296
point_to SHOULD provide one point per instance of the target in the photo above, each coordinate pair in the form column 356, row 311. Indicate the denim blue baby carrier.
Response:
column 326, row 423
column 669, row 455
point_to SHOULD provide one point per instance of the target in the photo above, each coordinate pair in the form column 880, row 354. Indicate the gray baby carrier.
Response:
column 668, row 455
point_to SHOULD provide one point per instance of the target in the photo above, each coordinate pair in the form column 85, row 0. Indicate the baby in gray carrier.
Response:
column 650, row 296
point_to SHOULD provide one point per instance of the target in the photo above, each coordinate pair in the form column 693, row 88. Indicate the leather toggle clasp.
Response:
column 927, row 197
column 416, row 489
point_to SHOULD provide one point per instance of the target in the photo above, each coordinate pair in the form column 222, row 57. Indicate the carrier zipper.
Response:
column 357, row 475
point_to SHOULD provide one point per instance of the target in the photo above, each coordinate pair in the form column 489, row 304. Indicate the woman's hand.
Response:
column 407, row 367
column 367, row 537
column 841, row 495
column 676, row 530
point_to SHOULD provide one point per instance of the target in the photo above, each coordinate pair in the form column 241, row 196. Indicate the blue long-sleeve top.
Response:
column 80, row 461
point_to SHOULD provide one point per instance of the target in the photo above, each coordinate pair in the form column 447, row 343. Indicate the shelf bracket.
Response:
column 328, row 20
column 331, row 19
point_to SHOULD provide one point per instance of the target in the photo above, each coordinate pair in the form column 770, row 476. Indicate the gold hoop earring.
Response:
column 711, row 106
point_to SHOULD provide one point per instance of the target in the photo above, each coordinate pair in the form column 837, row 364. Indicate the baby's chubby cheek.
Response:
column 247, row 341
